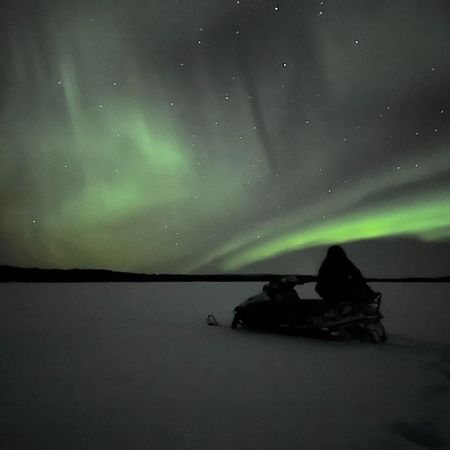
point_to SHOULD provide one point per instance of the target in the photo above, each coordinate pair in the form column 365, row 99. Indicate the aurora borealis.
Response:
column 180, row 136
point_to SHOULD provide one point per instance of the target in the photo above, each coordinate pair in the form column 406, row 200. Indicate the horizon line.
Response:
column 35, row 274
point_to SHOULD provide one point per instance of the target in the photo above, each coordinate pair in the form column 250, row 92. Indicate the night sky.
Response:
column 202, row 135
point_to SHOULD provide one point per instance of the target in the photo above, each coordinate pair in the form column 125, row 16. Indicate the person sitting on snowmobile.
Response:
column 339, row 280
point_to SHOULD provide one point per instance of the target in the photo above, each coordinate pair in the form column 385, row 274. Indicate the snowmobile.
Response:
column 278, row 308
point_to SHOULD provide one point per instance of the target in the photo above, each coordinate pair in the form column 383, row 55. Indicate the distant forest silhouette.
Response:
column 11, row 274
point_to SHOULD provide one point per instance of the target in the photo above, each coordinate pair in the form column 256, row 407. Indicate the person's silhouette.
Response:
column 339, row 280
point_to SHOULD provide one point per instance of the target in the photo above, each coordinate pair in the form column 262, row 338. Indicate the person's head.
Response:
column 336, row 252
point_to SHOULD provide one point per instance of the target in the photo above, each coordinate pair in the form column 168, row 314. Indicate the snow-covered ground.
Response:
column 134, row 366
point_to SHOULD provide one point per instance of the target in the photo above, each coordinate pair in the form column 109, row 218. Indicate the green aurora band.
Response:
column 99, row 170
column 429, row 220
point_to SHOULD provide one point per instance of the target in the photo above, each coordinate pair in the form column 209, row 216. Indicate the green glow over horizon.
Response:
column 426, row 220
column 170, row 155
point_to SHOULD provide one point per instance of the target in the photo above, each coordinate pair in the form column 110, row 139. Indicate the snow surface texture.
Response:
column 134, row 366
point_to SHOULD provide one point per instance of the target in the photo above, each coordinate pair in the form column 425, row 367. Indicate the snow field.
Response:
column 131, row 366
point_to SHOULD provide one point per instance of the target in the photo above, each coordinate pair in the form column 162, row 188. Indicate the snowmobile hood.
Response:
column 262, row 297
